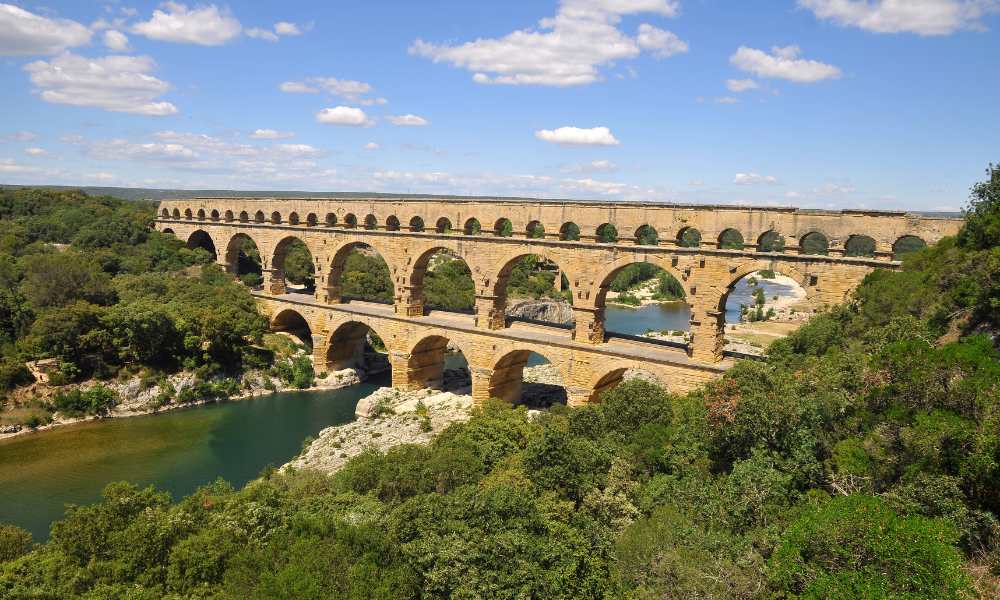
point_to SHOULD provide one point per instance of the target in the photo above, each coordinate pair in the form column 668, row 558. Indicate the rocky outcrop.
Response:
column 386, row 418
column 553, row 311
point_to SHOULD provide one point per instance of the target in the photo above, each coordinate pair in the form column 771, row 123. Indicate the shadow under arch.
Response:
column 428, row 364
column 507, row 380
column 293, row 262
column 243, row 259
column 292, row 322
column 356, row 345
column 359, row 271
column 201, row 239
column 441, row 279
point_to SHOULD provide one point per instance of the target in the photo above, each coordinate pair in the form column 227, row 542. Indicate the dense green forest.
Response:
column 86, row 281
column 861, row 460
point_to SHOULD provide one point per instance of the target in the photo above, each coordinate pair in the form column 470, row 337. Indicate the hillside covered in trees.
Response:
column 861, row 460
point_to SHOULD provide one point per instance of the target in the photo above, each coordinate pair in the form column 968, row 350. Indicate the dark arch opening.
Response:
column 438, row 363
column 370, row 222
column 859, row 245
column 312, row 220
column 761, row 307
column 444, row 281
column 526, row 377
column 168, row 230
column 503, row 227
column 416, row 224
column 275, row 217
column 215, row 215
column 331, row 219
column 258, row 217
column 201, row 239
column 229, row 215
column 201, row 214
column 243, row 260
column 644, row 302
column 535, row 230
column 355, row 345
column 607, row 234
column 472, row 227
column 814, row 242
column 532, row 289
column 187, row 213
column 731, row 239
column 244, row 217
column 164, row 213
column 350, row 221
column 358, row 272
column 443, row 225
column 293, row 263
column 771, row 241
column 907, row 244
column 177, row 213
column 392, row 223
column 645, row 235
column 293, row 218
column 689, row 237
column 291, row 322
column 569, row 231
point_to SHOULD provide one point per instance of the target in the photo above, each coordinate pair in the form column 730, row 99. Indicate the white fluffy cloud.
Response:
column 923, row 17
column 662, row 43
column 9, row 165
column 348, row 89
column 286, row 28
column 35, row 151
column 371, row 146
column 114, row 83
column 203, row 25
column 23, row 33
column 116, row 40
column 408, row 120
column 262, row 34
column 566, row 49
column 754, row 179
column 344, row 115
column 741, row 85
column 19, row 136
column 576, row 136
column 782, row 63
column 271, row 134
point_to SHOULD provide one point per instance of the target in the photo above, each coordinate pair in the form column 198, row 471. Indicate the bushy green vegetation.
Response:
column 861, row 460
column 366, row 276
column 85, row 280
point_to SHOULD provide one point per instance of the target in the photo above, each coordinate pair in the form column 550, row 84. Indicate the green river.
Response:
column 177, row 451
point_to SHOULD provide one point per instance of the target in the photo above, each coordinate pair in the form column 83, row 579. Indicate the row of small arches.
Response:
column 813, row 242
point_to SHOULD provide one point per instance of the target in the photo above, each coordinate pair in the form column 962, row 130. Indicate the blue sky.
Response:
column 820, row 103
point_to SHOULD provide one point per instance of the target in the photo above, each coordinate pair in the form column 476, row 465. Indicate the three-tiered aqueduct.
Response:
column 406, row 232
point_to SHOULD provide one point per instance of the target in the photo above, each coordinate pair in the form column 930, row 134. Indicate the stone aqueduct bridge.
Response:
column 407, row 232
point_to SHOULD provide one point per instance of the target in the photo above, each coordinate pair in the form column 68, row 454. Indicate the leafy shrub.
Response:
column 14, row 542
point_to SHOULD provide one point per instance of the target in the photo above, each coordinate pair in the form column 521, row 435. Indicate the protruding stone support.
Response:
column 408, row 304
column 425, row 364
column 490, row 312
column 707, row 336
column 274, row 282
column 401, row 376
column 480, row 383
column 589, row 325
column 576, row 396
column 321, row 347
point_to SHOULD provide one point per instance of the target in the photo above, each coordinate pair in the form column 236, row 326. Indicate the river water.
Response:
column 179, row 451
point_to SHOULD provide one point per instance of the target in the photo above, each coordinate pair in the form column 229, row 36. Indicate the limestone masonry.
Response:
column 707, row 248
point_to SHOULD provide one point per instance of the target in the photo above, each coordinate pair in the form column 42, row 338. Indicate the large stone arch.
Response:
column 233, row 248
column 409, row 287
column 423, row 363
column 599, row 288
column 742, row 270
column 331, row 283
column 505, row 377
column 200, row 238
column 609, row 376
column 277, row 262
column 345, row 343
column 293, row 322
column 492, row 275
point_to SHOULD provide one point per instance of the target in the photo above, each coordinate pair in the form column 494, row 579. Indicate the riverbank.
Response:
column 137, row 398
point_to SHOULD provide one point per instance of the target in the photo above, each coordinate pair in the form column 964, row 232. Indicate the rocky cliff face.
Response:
column 554, row 311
